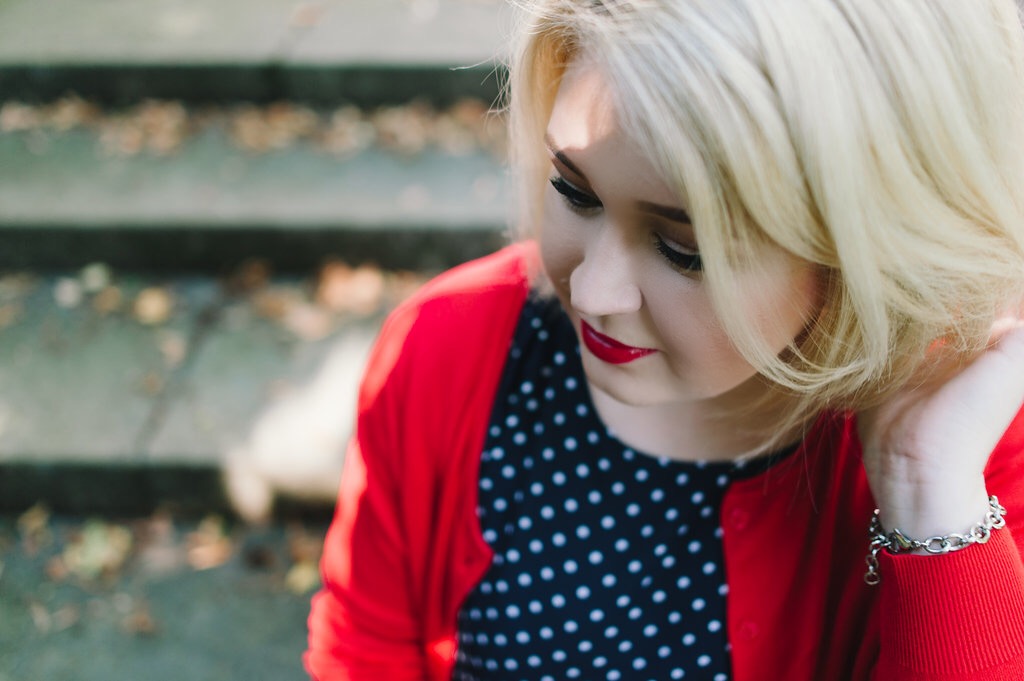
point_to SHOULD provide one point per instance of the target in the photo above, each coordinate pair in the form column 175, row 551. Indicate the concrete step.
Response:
column 122, row 393
column 366, row 52
column 204, row 201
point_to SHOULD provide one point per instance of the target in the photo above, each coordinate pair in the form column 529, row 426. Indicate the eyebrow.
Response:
column 667, row 212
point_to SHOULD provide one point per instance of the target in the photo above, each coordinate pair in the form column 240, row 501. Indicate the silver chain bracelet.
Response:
column 897, row 542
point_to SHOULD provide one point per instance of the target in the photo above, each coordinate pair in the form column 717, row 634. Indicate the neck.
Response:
column 726, row 428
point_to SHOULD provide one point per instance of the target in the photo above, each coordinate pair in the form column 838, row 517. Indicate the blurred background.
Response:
column 206, row 210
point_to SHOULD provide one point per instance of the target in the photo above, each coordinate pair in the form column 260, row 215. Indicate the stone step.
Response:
column 366, row 52
column 123, row 393
column 233, row 186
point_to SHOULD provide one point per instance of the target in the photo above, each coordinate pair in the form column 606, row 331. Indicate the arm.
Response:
column 929, row 460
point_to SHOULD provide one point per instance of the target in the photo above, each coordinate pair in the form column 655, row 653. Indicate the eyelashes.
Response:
column 584, row 204
column 575, row 198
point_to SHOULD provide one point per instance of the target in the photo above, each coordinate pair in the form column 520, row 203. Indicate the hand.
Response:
column 925, row 450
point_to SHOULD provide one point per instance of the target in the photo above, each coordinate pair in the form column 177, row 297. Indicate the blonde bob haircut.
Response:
column 881, row 140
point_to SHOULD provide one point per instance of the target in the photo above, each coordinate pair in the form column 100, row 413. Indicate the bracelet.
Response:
column 897, row 542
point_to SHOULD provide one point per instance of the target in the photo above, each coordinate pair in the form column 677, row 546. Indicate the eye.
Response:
column 577, row 200
column 686, row 261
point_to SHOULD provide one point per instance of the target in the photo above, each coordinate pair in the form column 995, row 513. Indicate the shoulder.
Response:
column 461, row 319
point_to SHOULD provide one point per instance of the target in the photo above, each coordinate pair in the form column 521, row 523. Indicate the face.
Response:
column 620, row 250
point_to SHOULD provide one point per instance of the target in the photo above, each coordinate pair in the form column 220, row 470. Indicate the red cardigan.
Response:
column 405, row 547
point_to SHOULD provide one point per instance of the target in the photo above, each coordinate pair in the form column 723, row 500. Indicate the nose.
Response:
column 603, row 283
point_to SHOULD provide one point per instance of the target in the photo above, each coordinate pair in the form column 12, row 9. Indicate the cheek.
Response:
column 560, row 247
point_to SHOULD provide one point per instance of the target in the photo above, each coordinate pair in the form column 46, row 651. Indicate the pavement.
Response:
column 206, row 211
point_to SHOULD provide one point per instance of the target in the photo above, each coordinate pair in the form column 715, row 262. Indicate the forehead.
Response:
column 584, row 111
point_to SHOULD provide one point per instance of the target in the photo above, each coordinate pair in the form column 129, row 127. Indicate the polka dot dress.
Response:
column 607, row 562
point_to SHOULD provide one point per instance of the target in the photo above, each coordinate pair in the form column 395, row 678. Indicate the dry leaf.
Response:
column 95, row 277
column 209, row 546
column 18, row 117
column 100, row 549
column 302, row 578
column 248, row 277
column 140, row 621
column 40, row 617
column 153, row 306
column 303, row 546
column 274, row 303
column 70, row 112
column 152, row 383
column 307, row 15
column 9, row 314
column 405, row 129
column 108, row 301
column 343, row 289
column 174, row 347
column 347, row 133
column 68, row 293
column 34, row 526
column 308, row 322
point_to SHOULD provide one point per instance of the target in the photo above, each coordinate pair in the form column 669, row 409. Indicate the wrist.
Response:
column 933, row 510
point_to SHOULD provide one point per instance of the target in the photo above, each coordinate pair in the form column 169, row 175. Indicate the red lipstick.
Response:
column 608, row 349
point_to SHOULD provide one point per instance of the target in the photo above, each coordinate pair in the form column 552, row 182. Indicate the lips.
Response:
column 608, row 349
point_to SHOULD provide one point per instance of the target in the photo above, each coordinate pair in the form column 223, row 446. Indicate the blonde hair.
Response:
column 881, row 140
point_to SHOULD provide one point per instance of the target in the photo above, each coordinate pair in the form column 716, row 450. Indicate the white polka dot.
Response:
column 571, row 505
column 697, row 497
column 582, row 470
column 641, row 475
column 635, row 613
column 698, row 604
column 581, row 410
column 536, row 489
column 585, row 646
column 596, row 615
column 535, row 607
column 558, row 539
column 546, row 633
column 594, row 497
column 547, row 453
column 689, row 639
column 582, row 531
column 536, row 546
column 558, row 600
column 547, row 513
column 708, row 568
column 524, row 579
column 621, row 545
column 625, row 646
column 611, row 632
column 525, row 523
column 519, row 438
column 693, row 547
column 682, row 479
column 607, row 522
column 570, row 567
column 618, row 488
column 714, row 626
column 526, row 388
column 595, row 557
column 582, row 592
column 570, row 444
column 650, row 631
column 559, row 358
column 657, row 495
column 633, row 510
column 558, row 656
column 512, row 421
column 604, row 464
column 703, row 661
column 558, row 478
column 547, row 574
column 658, row 596
column 634, row 566
column 570, row 626
column 608, row 581
column 512, row 611
column 570, row 383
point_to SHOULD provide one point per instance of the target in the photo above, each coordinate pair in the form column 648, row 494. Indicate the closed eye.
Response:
column 577, row 200
column 686, row 261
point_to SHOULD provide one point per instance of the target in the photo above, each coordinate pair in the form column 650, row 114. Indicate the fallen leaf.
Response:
column 341, row 288
column 152, row 383
column 274, row 303
column 34, row 526
column 10, row 313
column 304, row 547
column 18, row 117
column 153, row 306
column 248, row 277
column 302, row 578
column 308, row 322
column 108, row 301
column 68, row 293
column 307, row 15
column 208, row 545
column 99, row 550
column 174, row 347
column 65, row 617
column 140, row 621
column 40, row 617
column 95, row 277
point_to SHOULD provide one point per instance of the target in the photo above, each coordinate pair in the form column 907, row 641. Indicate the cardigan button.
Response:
column 738, row 519
column 748, row 630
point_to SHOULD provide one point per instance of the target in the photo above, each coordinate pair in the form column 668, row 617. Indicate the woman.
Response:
column 775, row 284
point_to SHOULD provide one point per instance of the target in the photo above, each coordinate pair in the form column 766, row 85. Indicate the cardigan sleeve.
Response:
column 404, row 543
column 363, row 623
column 960, row 616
